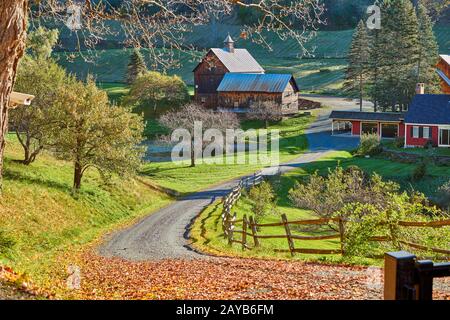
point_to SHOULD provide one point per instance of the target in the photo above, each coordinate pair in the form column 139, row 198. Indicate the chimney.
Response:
column 420, row 88
column 229, row 44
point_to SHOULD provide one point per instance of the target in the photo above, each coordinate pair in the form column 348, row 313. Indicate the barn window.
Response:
column 203, row 99
column 236, row 104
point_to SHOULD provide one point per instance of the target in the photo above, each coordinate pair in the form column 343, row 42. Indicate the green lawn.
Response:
column 42, row 225
column 184, row 179
column 207, row 229
column 420, row 151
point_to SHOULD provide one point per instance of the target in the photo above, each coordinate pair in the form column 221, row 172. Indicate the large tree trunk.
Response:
column 77, row 175
column 13, row 15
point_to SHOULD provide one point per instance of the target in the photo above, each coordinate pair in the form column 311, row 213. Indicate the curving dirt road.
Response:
column 165, row 234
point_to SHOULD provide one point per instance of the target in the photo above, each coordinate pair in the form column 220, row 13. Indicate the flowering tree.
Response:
column 186, row 117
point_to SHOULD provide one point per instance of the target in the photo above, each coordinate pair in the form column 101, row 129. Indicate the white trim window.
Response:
column 426, row 132
column 415, row 132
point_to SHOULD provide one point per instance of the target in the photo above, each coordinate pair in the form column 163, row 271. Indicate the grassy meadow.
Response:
column 207, row 229
column 184, row 179
column 320, row 72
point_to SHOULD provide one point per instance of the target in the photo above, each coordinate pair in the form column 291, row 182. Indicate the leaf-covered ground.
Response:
column 229, row 278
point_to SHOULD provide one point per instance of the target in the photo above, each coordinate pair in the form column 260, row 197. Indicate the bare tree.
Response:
column 265, row 111
column 186, row 117
column 147, row 23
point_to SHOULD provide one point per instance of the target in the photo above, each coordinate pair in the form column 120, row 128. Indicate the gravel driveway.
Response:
column 165, row 234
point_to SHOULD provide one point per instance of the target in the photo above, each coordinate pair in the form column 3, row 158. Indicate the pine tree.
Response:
column 398, row 54
column 136, row 67
column 428, row 50
column 373, row 65
column 358, row 58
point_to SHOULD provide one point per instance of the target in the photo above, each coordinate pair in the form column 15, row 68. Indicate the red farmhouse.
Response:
column 427, row 120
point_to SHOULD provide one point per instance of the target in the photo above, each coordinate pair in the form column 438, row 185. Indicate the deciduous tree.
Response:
column 265, row 111
column 153, row 90
column 94, row 134
column 186, row 117
column 146, row 23
column 42, row 78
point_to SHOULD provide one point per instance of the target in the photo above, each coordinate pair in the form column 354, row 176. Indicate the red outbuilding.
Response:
column 427, row 121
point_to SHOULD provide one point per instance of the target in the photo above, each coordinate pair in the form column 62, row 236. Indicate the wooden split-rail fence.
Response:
column 250, row 229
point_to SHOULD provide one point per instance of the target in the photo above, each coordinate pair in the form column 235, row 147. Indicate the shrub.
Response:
column 369, row 145
column 399, row 142
column 428, row 144
column 419, row 172
column 263, row 198
column 443, row 196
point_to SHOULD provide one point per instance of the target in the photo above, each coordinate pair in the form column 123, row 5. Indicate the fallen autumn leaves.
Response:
column 227, row 278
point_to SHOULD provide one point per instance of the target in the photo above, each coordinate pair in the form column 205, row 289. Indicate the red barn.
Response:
column 210, row 72
column 232, row 79
column 443, row 69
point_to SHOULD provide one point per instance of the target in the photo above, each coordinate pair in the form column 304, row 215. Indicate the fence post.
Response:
column 425, row 268
column 254, row 233
column 225, row 220
column 399, row 270
column 244, row 232
column 341, row 234
column 288, row 234
column 230, row 230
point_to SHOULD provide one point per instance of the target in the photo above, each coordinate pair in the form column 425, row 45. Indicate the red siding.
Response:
column 420, row 142
column 401, row 130
column 356, row 128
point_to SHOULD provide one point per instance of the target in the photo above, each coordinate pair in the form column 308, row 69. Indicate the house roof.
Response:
column 446, row 58
column 250, row 82
column 238, row 61
column 429, row 109
column 367, row 116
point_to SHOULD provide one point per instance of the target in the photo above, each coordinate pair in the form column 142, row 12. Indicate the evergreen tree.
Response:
column 136, row 67
column 397, row 52
column 428, row 50
column 374, row 62
column 358, row 58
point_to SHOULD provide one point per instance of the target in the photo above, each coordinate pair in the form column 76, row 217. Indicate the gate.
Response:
column 406, row 278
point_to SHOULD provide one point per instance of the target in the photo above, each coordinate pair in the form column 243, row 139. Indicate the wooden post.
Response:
column 244, row 232
column 288, row 234
column 425, row 288
column 341, row 234
column 254, row 232
column 230, row 230
column 399, row 276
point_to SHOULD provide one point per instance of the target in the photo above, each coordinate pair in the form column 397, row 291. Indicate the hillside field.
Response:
column 41, row 220
column 321, row 73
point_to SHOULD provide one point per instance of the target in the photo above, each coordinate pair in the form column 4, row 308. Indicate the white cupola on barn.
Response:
column 229, row 44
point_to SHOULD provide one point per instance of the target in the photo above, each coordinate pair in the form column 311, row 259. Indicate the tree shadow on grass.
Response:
column 152, row 171
column 16, row 176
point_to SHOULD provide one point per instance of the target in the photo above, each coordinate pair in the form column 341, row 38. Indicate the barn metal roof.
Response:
column 429, row 109
column 240, row 60
column 250, row 82
column 446, row 58
column 443, row 76
column 367, row 116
